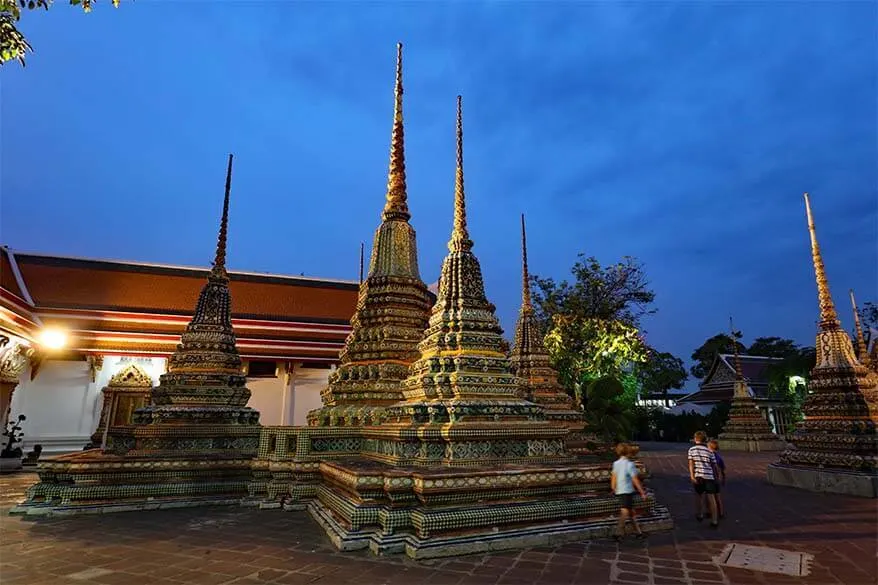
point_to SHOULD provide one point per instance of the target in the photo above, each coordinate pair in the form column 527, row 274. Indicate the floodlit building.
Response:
column 69, row 325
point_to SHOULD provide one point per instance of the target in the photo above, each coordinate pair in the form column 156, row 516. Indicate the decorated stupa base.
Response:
column 835, row 448
column 286, row 471
column 441, row 512
column 193, row 446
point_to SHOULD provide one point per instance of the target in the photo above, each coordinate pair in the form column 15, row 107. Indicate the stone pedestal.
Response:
column 753, row 445
column 832, row 481
column 441, row 512
column 10, row 464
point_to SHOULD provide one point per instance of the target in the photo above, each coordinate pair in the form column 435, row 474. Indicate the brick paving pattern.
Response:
column 244, row 546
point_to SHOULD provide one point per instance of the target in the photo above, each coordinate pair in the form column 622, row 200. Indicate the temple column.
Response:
column 13, row 360
column 289, row 395
column 87, row 423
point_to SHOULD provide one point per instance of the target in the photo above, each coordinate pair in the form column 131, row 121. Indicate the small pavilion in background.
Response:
column 719, row 386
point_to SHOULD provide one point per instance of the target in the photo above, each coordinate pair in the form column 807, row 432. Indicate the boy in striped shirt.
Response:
column 703, row 475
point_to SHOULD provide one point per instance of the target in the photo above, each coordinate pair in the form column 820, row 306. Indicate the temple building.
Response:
column 72, row 325
column 719, row 386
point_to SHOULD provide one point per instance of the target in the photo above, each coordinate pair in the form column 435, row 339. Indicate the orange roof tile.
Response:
column 58, row 282
column 7, row 276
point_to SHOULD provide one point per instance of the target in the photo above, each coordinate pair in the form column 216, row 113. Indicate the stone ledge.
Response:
column 480, row 541
column 863, row 485
column 109, row 508
column 752, row 445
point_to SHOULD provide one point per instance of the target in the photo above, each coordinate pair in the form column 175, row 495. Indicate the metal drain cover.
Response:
column 765, row 559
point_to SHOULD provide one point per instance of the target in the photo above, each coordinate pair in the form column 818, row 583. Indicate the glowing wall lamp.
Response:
column 53, row 338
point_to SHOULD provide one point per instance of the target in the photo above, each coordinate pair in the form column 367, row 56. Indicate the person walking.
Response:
column 703, row 475
column 713, row 445
column 624, row 481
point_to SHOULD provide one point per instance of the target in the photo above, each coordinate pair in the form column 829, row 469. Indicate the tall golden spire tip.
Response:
column 525, row 276
column 739, row 374
column 828, row 315
column 219, row 262
column 862, row 348
column 362, row 245
column 396, row 206
column 460, row 234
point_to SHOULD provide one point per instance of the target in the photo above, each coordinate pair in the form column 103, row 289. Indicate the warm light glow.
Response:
column 53, row 338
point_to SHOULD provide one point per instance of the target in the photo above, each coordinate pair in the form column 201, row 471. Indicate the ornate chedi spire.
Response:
column 463, row 380
column 746, row 429
column 740, row 382
column 391, row 310
column 208, row 342
column 193, row 445
column 538, row 380
column 862, row 349
column 396, row 206
column 841, row 409
column 360, row 281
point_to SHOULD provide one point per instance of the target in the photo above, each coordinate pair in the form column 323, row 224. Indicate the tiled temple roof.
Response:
column 719, row 384
column 134, row 307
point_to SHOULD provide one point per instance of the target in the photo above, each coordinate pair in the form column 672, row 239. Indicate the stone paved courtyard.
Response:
column 246, row 546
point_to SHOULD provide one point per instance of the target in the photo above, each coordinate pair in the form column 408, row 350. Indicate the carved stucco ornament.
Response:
column 95, row 363
column 131, row 376
column 14, row 358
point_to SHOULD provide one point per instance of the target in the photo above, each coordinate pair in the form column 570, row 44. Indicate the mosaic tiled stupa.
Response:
column 391, row 311
column 746, row 429
column 192, row 446
column 538, row 380
column 835, row 448
column 464, row 464
column 390, row 316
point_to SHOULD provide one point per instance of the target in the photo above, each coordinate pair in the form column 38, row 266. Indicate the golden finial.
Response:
column 525, row 277
column 361, row 262
column 862, row 349
column 739, row 374
column 828, row 315
column 219, row 263
column 459, row 235
column 396, row 206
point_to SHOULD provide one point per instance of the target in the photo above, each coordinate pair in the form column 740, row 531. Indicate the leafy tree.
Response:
column 13, row 45
column 591, row 324
column 869, row 320
column 604, row 414
column 869, row 315
column 661, row 371
column 619, row 292
column 583, row 349
column 773, row 347
column 704, row 355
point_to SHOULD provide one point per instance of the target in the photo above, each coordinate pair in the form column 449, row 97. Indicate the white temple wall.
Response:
column 62, row 404
column 266, row 396
column 306, row 393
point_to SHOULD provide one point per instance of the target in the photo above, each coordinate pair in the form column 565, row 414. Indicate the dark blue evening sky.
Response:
column 682, row 134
